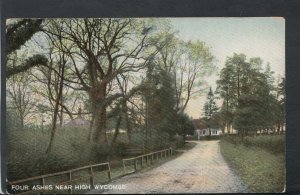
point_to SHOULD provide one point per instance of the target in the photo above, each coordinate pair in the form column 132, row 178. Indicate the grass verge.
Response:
column 260, row 170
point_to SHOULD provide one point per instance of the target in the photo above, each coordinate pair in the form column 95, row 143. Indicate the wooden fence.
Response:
column 69, row 174
column 150, row 157
column 41, row 180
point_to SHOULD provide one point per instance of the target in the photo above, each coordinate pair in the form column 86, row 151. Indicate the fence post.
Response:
column 171, row 151
column 43, row 181
column 43, row 184
column 142, row 162
column 151, row 158
column 146, row 160
column 70, row 179
column 109, row 172
column 92, row 176
column 135, row 165
column 42, row 178
column 124, row 167
column 157, row 156
column 165, row 153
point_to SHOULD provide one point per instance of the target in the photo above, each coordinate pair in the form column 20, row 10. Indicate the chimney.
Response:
column 79, row 113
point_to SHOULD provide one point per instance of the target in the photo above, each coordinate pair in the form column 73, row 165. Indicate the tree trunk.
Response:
column 56, row 108
column 99, row 126
column 146, row 124
column 97, row 96
column 91, row 129
column 128, row 124
column 238, row 83
column 61, row 115
column 243, row 131
column 55, row 114
column 116, row 131
column 227, row 111
column 184, row 134
column 22, row 121
column 53, row 129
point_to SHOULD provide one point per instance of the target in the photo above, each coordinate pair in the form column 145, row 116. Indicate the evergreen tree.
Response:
column 18, row 34
column 280, row 105
column 159, row 97
column 230, row 85
column 248, row 94
column 210, row 107
column 164, row 105
column 186, row 125
column 255, row 105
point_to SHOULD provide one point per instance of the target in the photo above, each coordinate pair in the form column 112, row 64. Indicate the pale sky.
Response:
column 255, row 37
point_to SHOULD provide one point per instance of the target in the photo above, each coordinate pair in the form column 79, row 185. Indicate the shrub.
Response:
column 194, row 137
column 272, row 143
column 179, row 141
column 210, row 138
column 26, row 149
column 120, row 148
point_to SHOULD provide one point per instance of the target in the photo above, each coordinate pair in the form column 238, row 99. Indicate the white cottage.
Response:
column 79, row 121
column 205, row 132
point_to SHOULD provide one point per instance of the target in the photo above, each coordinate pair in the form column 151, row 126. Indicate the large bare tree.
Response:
column 189, row 62
column 101, row 50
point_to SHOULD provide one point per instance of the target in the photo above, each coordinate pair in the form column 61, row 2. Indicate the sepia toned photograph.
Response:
column 145, row 105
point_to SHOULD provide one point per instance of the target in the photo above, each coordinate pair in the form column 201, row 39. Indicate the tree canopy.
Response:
column 250, row 103
column 123, row 72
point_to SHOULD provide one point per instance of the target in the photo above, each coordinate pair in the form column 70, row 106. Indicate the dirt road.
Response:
column 199, row 170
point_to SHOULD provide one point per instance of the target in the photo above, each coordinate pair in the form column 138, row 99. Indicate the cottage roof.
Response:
column 79, row 121
column 197, row 123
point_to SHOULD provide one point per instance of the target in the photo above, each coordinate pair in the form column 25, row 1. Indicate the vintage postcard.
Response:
column 145, row 105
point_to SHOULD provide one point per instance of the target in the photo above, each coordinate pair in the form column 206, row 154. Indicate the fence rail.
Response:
column 144, row 160
column 150, row 157
column 42, row 178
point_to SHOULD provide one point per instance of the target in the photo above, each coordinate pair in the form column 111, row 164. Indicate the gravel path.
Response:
column 199, row 170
